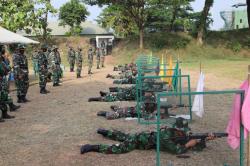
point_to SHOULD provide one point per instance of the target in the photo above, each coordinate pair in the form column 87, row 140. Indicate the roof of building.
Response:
column 89, row 28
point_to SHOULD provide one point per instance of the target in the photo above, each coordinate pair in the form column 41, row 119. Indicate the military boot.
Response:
column 25, row 99
column 6, row 115
column 103, row 132
column 89, row 148
column 103, row 93
column 20, row 99
column 95, row 99
column 113, row 89
column 43, row 91
column 102, row 113
column 13, row 107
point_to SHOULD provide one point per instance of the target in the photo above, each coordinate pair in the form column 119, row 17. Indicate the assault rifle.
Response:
column 201, row 136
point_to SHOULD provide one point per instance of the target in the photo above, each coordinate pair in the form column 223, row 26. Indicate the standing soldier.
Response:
column 55, row 65
column 21, row 74
column 98, row 57
column 43, row 69
column 79, row 62
column 90, row 60
column 49, row 58
column 4, row 96
column 71, row 58
column 34, row 62
column 103, row 53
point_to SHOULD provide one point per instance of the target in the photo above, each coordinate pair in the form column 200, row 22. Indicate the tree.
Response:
column 72, row 14
column 248, row 12
column 112, row 17
column 42, row 18
column 136, row 10
column 203, row 21
column 17, row 14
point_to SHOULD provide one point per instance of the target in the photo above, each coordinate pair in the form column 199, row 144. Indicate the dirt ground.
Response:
column 50, row 129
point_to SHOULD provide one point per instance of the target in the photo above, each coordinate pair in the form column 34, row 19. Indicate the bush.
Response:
column 161, row 41
column 235, row 46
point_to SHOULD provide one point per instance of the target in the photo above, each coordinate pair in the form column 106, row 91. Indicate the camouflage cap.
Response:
column 21, row 46
column 44, row 46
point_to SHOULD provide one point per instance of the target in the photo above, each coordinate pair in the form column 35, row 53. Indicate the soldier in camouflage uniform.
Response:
column 71, row 58
column 5, row 80
column 55, row 65
column 43, row 69
column 124, row 95
column 128, row 80
column 103, row 53
column 98, row 58
column 35, row 62
column 123, row 75
column 124, row 68
column 90, row 59
column 4, row 96
column 148, row 140
column 50, row 70
column 79, row 61
column 21, row 74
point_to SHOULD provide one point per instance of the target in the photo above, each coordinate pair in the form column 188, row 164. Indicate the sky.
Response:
column 219, row 5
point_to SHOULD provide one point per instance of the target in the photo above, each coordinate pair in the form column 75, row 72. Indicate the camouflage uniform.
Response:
column 119, row 112
column 103, row 53
column 71, row 59
column 129, row 80
column 90, row 60
column 4, row 89
column 143, row 141
column 98, row 58
column 35, row 62
column 21, row 75
column 124, row 94
column 55, row 65
column 43, row 69
column 79, row 61
column 122, row 75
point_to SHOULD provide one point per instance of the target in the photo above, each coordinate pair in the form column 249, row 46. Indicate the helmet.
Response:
column 44, row 46
column 150, row 105
column 21, row 46
column 181, row 123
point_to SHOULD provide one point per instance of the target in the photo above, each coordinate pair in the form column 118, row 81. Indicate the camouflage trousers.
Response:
column 79, row 68
column 122, row 113
column 102, row 61
column 90, row 64
column 98, row 62
column 125, row 81
column 142, row 141
column 120, row 96
column 22, row 86
column 56, row 73
column 43, row 78
column 72, row 63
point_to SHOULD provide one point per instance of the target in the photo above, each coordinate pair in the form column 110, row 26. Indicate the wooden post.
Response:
column 248, row 143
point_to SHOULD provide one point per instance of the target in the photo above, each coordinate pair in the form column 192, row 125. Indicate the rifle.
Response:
column 201, row 136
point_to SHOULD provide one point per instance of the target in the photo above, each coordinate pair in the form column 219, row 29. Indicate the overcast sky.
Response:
column 219, row 5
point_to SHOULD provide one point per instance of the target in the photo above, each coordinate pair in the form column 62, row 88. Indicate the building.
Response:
column 237, row 18
column 89, row 29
